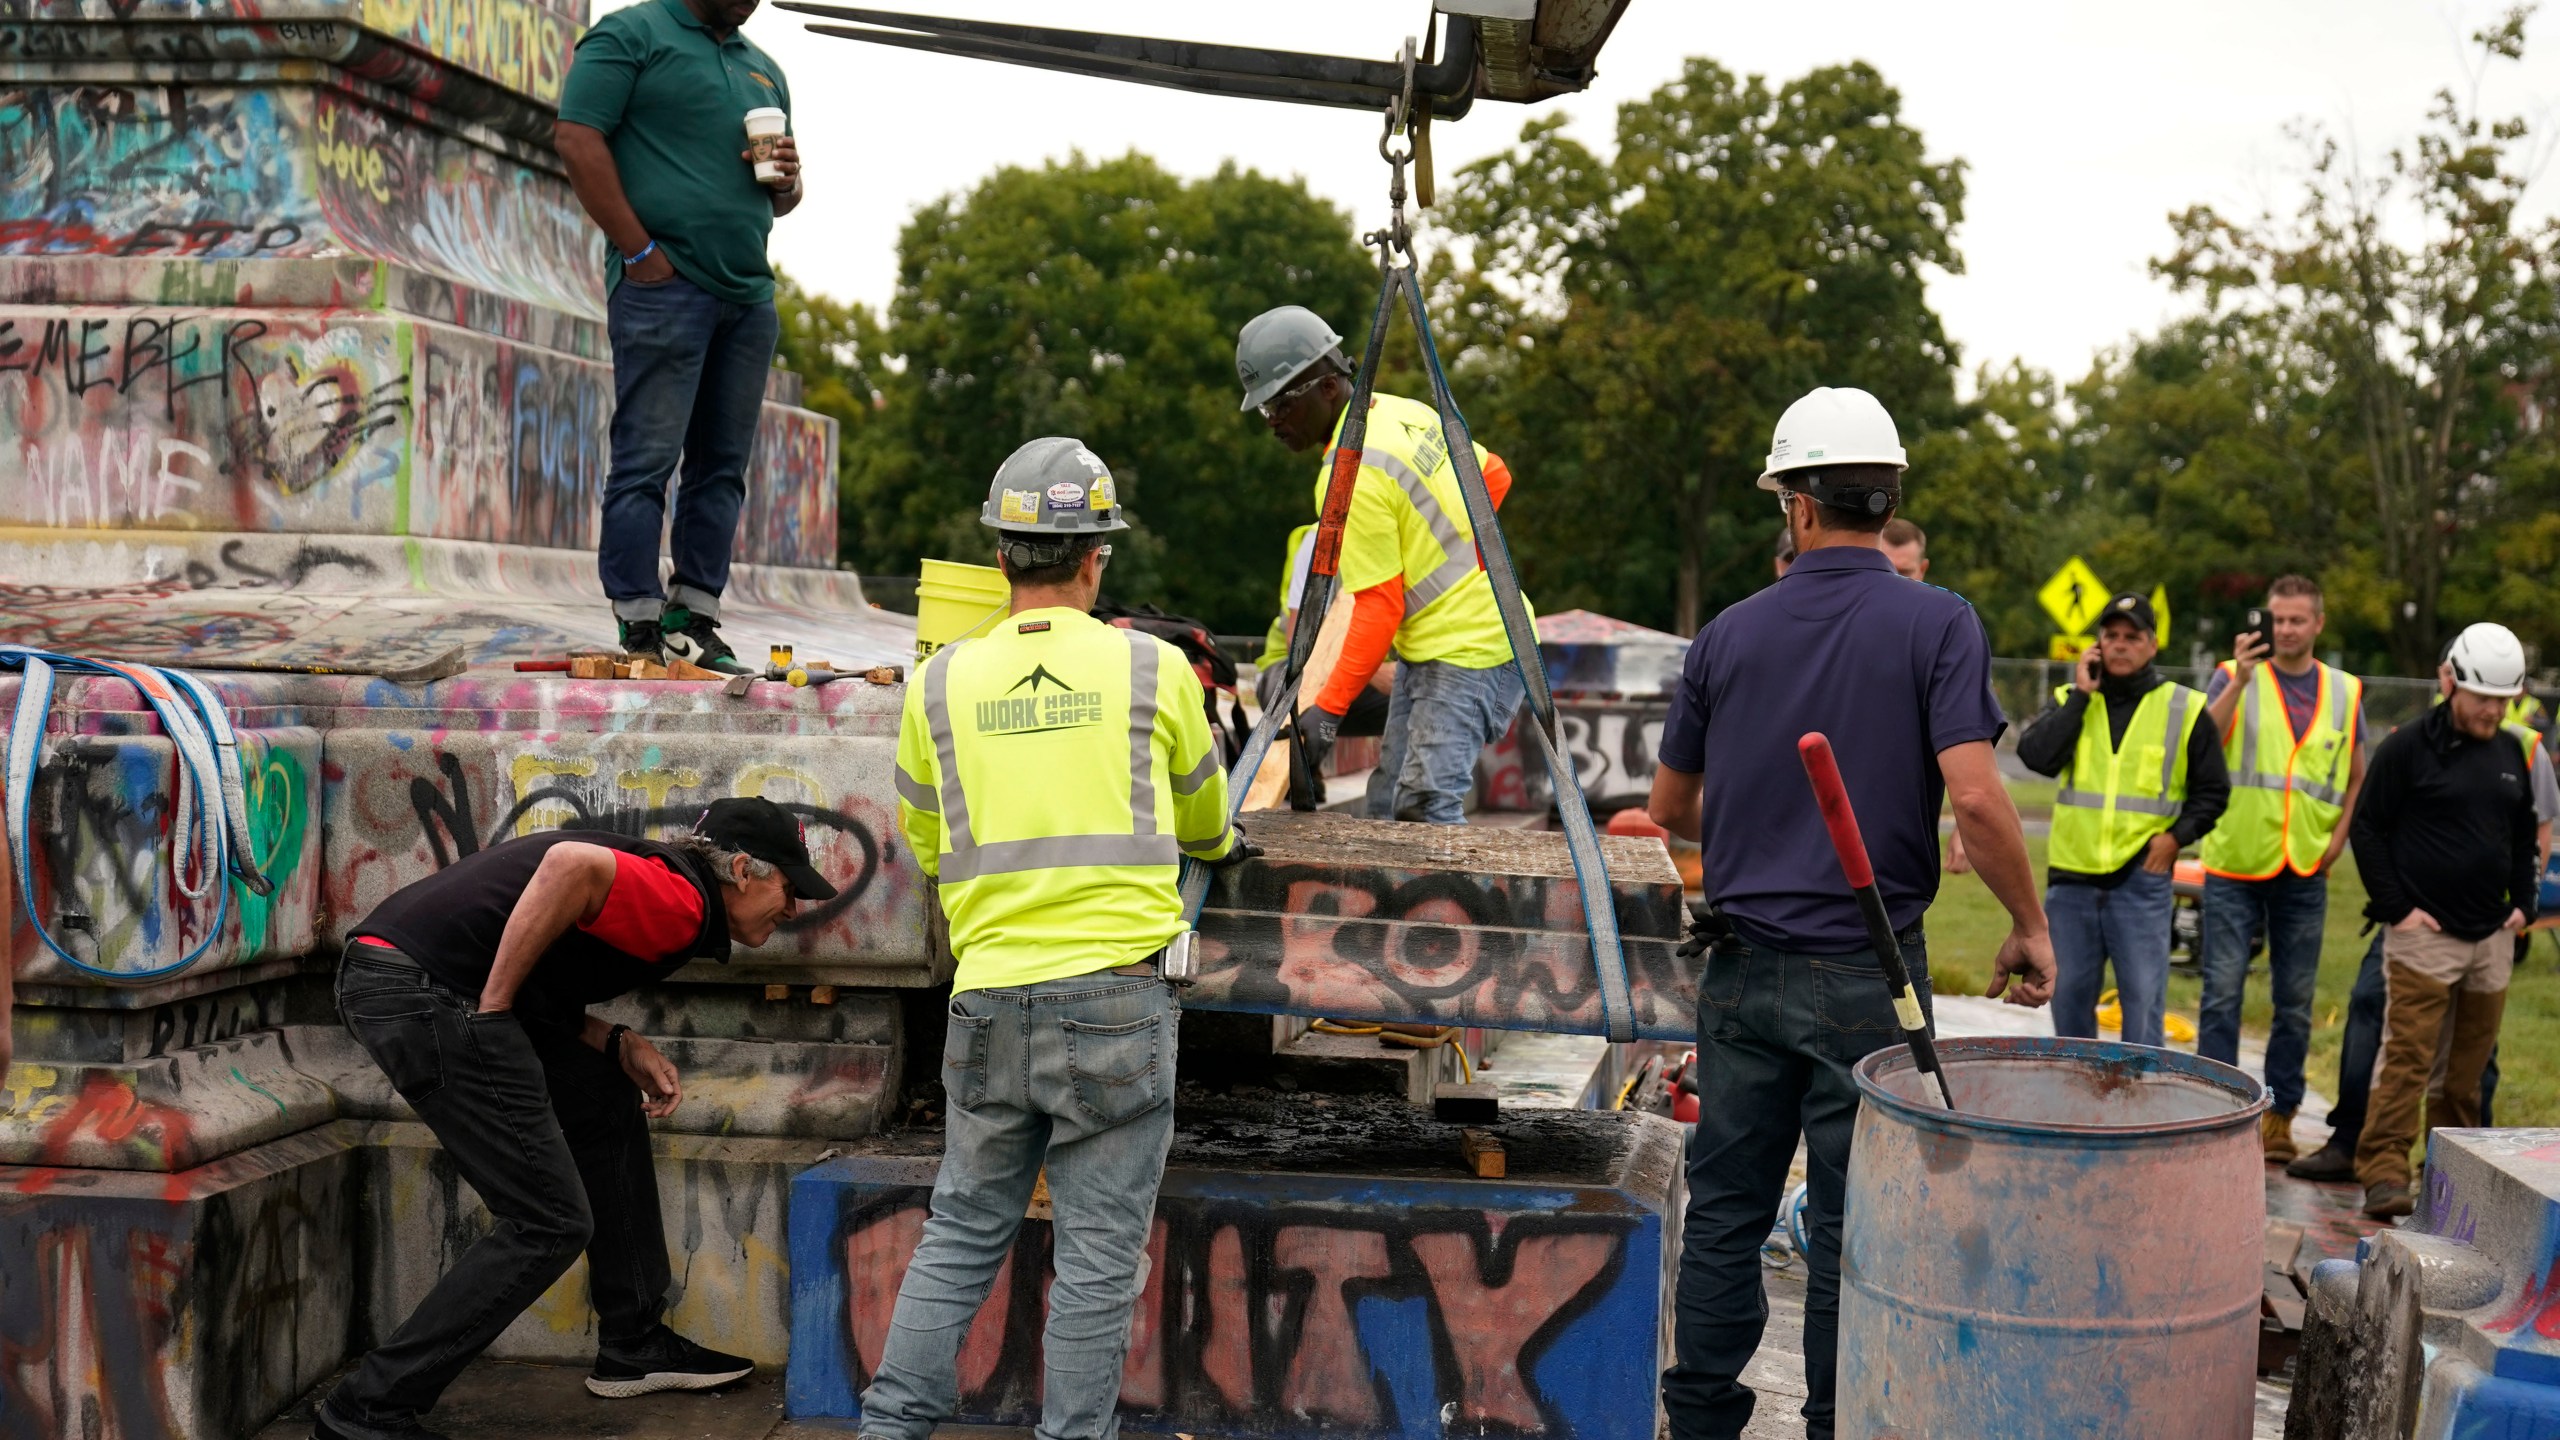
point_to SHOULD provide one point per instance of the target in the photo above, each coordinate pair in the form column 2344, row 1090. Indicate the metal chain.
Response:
column 1398, row 234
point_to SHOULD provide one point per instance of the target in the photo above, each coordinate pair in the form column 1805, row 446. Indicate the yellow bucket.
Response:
column 955, row 602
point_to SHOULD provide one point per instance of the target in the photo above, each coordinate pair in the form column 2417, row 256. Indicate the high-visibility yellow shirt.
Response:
column 1408, row 519
column 1051, row 774
column 2115, row 797
column 2286, row 795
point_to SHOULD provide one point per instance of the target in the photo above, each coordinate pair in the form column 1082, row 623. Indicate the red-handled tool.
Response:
column 1828, row 791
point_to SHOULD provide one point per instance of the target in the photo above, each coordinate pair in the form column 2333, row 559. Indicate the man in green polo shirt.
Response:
column 653, row 129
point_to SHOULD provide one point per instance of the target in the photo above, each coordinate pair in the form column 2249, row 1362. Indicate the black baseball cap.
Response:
column 753, row 825
column 2129, row 606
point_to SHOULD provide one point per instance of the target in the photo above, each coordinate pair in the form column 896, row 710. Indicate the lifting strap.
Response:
column 209, row 838
column 1582, row 840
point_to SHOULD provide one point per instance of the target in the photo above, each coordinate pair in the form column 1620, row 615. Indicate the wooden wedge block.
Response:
column 777, row 992
column 885, row 674
column 682, row 669
column 645, row 670
column 822, row 994
column 1483, row 1154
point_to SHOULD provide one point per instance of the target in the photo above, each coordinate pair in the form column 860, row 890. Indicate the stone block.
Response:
column 1317, row 1267
column 1372, row 920
column 172, row 1112
column 724, row 1203
column 185, row 1306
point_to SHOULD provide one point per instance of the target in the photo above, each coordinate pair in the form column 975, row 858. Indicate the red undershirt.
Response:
column 651, row 911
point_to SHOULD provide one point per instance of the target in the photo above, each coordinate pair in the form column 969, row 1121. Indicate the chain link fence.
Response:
column 2025, row 688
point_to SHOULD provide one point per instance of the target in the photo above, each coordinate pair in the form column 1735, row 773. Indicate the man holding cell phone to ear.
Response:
column 675, row 129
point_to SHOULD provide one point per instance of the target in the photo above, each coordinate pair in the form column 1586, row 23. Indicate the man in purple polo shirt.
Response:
column 1898, row 674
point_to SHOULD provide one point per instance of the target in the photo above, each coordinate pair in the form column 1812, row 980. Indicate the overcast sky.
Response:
column 2083, row 123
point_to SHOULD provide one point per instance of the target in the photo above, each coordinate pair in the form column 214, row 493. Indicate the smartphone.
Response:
column 2256, row 623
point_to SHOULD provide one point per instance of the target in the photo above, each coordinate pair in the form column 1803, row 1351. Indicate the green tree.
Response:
column 1101, row 300
column 2405, row 320
column 837, row 349
column 1635, row 326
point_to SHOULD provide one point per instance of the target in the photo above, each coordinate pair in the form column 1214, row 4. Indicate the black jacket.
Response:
column 2047, row 744
column 2446, row 825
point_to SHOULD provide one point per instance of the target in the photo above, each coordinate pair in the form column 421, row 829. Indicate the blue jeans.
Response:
column 2292, row 908
column 688, row 380
column 2128, row 925
column 1439, row 718
column 1777, row 1033
column 1078, row 1074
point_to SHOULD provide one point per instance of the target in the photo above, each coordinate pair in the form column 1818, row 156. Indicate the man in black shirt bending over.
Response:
column 470, row 990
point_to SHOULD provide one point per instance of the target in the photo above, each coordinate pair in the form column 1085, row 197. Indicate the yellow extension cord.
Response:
column 1448, row 1036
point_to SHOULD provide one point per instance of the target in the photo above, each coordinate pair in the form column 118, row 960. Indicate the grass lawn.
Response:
column 1966, row 927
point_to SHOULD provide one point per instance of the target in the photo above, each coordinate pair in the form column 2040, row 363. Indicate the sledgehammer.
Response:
column 1828, row 791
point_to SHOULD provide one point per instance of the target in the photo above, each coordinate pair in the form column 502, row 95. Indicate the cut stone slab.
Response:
column 1372, row 920
column 1319, row 1266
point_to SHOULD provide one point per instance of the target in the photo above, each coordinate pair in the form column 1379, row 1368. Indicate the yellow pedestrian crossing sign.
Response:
column 2074, row 596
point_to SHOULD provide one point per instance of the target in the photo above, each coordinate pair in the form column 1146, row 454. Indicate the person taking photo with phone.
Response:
column 2142, row 778
column 2293, row 732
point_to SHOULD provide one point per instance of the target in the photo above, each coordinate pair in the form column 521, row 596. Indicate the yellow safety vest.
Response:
column 1051, row 774
column 2522, row 709
column 2113, row 800
column 1275, row 641
column 2285, row 797
column 1408, row 519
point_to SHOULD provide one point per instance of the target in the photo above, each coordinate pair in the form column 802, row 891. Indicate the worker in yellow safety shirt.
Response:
column 2293, row 737
column 2141, row 774
column 1409, row 565
column 1051, row 775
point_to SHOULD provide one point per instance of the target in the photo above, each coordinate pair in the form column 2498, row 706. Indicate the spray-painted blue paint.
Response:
column 1287, row 1305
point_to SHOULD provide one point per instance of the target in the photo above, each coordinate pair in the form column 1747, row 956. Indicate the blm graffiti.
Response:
column 1261, row 1317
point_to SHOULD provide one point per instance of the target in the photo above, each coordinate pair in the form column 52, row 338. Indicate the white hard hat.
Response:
column 2487, row 659
column 1835, row 425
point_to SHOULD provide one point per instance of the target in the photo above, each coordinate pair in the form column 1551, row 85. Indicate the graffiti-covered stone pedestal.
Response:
column 1319, row 1266
column 2450, row 1326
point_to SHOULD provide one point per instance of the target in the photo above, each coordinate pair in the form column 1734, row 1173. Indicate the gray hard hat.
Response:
column 1053, row 486
column 1276, row 346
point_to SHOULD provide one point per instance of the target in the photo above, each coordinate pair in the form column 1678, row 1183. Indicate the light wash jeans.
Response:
column 1439, row 718
column 2128, row 925
column 1078, row 1074
column 2293, row 909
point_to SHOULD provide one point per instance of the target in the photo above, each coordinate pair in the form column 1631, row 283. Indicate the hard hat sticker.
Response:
column 1066, row 495
column 1104, row 497
column 1019, row 507
column 1092, row 462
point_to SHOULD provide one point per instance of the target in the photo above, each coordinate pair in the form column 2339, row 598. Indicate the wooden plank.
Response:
column 1483, row 1154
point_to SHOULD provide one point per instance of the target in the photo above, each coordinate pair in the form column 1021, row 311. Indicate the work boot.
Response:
column 662, row 1360
column 2330, row 1162
column 2275, row 1136
column 2388, row 1201
column 644, row 640
column 697, row 638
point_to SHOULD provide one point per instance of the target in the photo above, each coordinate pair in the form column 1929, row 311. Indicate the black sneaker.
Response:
column 321, row 1429
column 697, row 638
column 2326, row 1163
column 644, row 640
column 664, row 1360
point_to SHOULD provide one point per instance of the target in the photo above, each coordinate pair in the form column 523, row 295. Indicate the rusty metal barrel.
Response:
column 2076, row 1250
